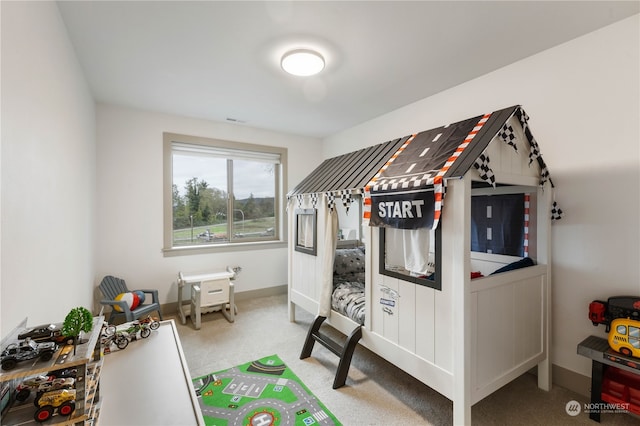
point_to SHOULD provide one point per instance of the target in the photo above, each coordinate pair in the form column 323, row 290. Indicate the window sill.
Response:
column 223, row 248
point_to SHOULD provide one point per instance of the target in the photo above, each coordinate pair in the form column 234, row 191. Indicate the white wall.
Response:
column 130, row 203
column 48, row 178
column 583, row 100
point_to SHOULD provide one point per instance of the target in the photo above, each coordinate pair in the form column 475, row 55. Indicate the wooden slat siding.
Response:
column 314, row 179
column 349, row 161
column 332, row 166
column 375, row 162
column 306, row 182
column 349, row 171
column 356, row 177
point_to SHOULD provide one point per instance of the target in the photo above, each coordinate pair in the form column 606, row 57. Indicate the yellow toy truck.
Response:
column 624, row 336
column 64, row 400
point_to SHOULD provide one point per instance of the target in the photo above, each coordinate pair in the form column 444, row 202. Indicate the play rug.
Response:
column 259, row 393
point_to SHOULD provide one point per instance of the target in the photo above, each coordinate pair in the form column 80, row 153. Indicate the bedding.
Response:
column 522, row 263
column 348, row 283
column 348, row 299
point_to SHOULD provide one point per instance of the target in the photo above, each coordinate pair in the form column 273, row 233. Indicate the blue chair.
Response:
column 111, row 287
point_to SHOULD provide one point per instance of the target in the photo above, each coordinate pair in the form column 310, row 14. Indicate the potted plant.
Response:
column 77, row 320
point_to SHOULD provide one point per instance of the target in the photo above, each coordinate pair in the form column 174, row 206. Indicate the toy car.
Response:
column 624, row 336
column 64, row 400
column 23, row 390
column 46, row 333
column 65, row 372
column 601, row 312
column 55, row 384
column 26, row 350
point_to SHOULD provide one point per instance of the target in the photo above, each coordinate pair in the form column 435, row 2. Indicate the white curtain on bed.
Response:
column 330, row 219
column 408, row 249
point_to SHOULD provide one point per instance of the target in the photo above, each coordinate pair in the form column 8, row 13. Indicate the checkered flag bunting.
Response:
column 331, row 201
column 556, row 211
column 544, row 174
column 486, row 174
column 314, row 200
column 508, row 135
column 347, row 199
column 534, row 151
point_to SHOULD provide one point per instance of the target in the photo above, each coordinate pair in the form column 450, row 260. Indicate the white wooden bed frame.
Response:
column 473, row 336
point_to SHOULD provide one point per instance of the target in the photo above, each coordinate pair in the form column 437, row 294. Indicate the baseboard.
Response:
column 262, row 292
column 172, row 307
column 568, row 379
column 571, row 380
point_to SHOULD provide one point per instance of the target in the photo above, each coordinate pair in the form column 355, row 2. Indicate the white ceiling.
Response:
column 220, row 60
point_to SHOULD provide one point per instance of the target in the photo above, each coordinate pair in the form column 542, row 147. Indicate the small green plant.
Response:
column 77, row 320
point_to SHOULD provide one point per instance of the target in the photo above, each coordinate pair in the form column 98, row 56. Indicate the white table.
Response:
column 193, row 281
column 148, row 383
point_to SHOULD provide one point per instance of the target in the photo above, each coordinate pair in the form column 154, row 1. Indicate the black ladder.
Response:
column 344, row 351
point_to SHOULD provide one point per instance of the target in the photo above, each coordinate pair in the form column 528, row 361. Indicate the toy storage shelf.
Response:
column 148, row 383
column 88, row 361
column 602, row 356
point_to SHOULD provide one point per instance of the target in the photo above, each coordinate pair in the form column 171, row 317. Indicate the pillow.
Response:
column 348, row 265
column 132, row 299
column 522, row 263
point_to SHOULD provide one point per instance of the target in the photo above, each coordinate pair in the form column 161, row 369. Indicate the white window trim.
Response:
column 225, row 146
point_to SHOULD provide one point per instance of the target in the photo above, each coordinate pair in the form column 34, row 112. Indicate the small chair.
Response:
column 111, row 287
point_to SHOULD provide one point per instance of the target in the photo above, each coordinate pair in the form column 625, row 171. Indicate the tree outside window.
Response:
column 222, row 195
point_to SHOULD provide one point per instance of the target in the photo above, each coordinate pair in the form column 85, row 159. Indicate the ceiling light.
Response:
column 302, row 62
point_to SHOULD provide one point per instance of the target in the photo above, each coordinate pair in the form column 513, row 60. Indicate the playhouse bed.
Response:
column 464, row 337
column 507, row 328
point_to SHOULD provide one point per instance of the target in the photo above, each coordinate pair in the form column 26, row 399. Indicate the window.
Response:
column 634, row 336
column 219, row 193
column 498, row 224
column 504, row 220
column 412, row 255
column 306, row 231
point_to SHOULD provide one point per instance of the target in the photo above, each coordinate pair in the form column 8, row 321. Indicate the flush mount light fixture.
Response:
column 302, row 62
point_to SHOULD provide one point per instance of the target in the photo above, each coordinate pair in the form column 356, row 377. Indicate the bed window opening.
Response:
column 503, row 229
column 306, row 231
column 350, row 223
column 411, row 255
column 349, row 266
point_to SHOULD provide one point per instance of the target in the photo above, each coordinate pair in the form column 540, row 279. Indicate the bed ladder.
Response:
column 344, row 351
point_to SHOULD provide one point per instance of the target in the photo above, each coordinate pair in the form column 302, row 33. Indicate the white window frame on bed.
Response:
column 224, row 153
column 306, row 231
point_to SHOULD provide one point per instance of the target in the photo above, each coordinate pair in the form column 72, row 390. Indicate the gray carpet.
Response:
column 376, row 392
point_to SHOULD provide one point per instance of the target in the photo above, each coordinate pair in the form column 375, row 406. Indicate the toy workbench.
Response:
column 615, row 378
